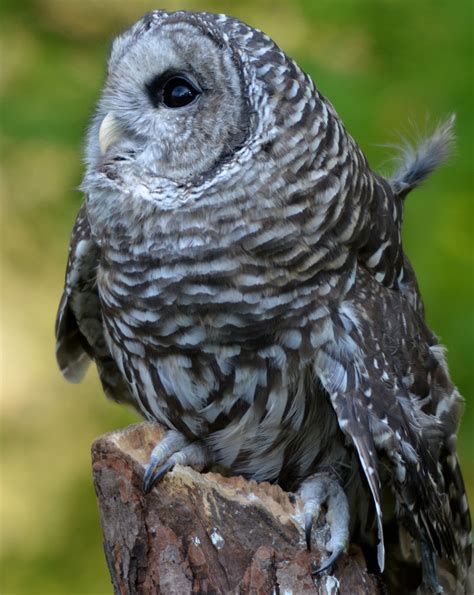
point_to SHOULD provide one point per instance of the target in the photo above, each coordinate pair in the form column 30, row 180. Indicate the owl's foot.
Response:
column 173, row 450
column 324, row 489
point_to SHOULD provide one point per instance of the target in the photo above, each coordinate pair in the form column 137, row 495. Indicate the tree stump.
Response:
column 205, row 533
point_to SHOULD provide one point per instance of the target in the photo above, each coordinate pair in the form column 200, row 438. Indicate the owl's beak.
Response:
column 109, row 132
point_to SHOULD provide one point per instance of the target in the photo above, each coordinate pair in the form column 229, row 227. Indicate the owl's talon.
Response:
column 327, row 563
column 170, row 444
column 308, row 528
column 316, row 490
column 153, row 474
column 173, row 450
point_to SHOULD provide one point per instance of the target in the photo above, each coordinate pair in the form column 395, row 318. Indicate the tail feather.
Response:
column 417, row 162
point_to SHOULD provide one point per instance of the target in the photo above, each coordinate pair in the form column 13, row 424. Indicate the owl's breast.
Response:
column 207, row 318
column 216, row 350
column 249, row 404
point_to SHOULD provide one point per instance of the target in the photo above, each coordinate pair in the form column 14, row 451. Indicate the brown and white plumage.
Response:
column 237, row 274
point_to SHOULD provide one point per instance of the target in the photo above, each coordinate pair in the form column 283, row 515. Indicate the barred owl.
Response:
column 237, row 274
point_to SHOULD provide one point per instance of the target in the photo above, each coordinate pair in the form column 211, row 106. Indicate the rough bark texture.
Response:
column 204, row 533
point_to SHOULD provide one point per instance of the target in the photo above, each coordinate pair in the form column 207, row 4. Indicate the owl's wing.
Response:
column 73, row 351
column 394, row 401
column 79, row 328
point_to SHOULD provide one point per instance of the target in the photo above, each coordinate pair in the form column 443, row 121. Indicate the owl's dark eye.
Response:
column 178, row 92
column 172, row 90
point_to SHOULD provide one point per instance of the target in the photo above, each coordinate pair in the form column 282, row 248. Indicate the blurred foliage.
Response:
column 383, row 64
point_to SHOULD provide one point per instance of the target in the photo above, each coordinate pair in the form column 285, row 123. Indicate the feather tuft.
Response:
column 418, row 161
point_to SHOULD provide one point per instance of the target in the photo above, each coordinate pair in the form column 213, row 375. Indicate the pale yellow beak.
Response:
column 109, row 132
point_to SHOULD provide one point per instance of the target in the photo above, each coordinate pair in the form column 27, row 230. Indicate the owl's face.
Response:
column 200, row 108
column 174, row 100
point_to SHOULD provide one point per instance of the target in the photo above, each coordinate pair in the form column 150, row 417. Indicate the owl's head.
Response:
column 174, row 100
column 191, row 97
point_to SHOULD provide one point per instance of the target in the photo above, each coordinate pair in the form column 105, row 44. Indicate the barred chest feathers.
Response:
column 216, row 342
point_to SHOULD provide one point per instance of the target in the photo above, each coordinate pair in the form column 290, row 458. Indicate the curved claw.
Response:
column 153, row 474
column 158, row 463
column 327, row 563
column 308, row 527
column 161, row 461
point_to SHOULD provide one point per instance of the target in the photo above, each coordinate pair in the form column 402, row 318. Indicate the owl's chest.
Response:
column 175, row 301
column 210, row 360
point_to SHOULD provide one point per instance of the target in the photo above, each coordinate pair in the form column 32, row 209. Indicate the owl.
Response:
column 236, row 273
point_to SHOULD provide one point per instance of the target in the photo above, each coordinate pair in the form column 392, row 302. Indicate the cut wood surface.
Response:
column 205, row 533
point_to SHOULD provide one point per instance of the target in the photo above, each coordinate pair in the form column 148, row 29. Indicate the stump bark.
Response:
column 205, row 533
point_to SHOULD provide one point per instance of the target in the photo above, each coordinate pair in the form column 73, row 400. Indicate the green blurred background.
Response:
column 383, row 65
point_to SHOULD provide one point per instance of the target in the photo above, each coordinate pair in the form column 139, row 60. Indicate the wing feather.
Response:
column 80, row 334
column 380, row 382
column 71, row 345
